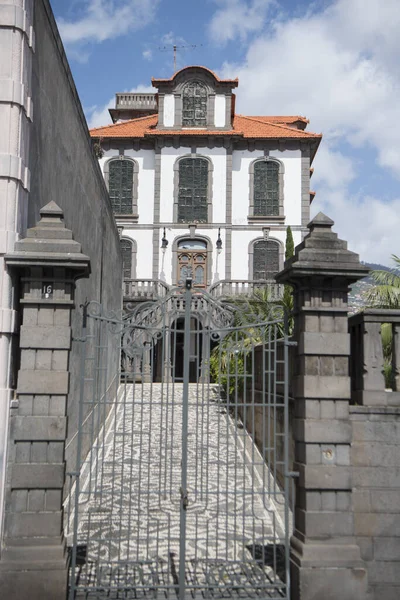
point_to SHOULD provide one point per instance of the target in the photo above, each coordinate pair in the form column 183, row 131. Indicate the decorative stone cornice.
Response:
column 50, row 243
column 322, row 253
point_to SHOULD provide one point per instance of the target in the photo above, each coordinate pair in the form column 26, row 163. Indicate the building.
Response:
column 198, row 188
column 200, row 191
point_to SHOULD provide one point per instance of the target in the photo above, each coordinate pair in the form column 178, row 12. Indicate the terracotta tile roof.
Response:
column 253, row 127
column 156, row 81
column 245, row 127
column 280, row 119
column 134, row 128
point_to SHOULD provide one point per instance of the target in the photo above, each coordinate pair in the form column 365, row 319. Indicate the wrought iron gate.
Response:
column 171, row 497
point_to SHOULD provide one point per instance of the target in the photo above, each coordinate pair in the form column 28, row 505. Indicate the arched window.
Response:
column 266, row 188
column 194, row 105
column 192, row 198
column 122, row 185
column 128, row 250
column 265, row 259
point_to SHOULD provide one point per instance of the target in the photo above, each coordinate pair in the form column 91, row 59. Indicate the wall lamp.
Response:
column 164, row 242
column 219, row 242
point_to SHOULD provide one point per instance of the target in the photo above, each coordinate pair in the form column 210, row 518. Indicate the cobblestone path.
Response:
column 129, row 515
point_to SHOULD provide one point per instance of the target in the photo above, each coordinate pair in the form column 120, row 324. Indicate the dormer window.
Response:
column 194, row 105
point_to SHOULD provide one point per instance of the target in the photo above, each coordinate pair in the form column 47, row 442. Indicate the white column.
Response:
column 17, row 47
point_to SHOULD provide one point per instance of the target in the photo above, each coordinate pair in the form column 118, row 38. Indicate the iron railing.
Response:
column 241, row 287
column 137, row 101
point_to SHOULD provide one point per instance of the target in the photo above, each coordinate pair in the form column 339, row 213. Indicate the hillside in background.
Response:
column 359, row 289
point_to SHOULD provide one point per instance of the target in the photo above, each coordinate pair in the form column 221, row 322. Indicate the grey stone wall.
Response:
column 64, row 169
column 375, row 459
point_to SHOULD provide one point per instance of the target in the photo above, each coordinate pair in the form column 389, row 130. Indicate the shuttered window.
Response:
column 120, row 186
column 126, row 249
column 193, row 190
column 265, row 259
column 266, row 188
column 194, row 105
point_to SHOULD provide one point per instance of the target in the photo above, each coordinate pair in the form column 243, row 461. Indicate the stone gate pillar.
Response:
column 326, row 563
column 33, row 560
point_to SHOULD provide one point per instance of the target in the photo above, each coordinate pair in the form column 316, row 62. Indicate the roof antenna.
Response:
column 175, row 48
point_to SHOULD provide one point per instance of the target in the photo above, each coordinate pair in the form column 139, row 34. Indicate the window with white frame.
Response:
column 128, row 250
column 266, row 190
column 121, row 176
column 265, row 259
column 193, row 190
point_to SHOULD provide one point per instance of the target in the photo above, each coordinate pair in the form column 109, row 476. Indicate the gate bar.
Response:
column 185, row 415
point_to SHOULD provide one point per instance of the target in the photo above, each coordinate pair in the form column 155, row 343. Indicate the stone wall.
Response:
column 64, row 169
column 375, row 450
column 375, row 459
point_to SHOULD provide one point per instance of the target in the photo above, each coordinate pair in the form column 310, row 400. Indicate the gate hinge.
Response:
column 292, row 474
column 184, row 498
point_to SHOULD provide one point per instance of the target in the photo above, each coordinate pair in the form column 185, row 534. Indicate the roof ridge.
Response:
column 124, row 122
column 256, row 117
column 213, row 73
column 285, row 127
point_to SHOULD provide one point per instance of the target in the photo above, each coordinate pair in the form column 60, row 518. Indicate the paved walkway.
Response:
column 130, row 500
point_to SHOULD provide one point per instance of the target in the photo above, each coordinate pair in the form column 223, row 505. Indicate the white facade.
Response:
column 243, row 233
column 220, row 110
column 197, row 107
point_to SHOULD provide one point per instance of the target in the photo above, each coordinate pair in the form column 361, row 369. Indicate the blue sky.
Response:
column 334, row 61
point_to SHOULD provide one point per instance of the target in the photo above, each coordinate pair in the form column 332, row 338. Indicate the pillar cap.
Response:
column 322, row 253
column 49, row 244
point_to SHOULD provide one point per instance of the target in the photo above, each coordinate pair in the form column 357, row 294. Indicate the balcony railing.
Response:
column 375, row 378
column 244, row 288
column 144, row 289
column 136, row 101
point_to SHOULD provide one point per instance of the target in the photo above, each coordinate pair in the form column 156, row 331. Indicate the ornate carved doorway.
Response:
column 192, row 262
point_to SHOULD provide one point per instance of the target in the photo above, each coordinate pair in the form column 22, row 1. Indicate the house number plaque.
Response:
column 47, row 290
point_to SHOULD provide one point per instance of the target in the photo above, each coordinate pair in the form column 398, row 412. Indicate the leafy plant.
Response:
column 386, row 291
column 289, row 252
column 258, row 319
column 386, row 294
column 98, row 149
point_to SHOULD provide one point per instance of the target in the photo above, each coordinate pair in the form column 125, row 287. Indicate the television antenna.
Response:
column 175, row 48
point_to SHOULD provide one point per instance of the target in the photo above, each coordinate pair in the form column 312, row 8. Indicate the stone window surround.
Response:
column 251, row 253
column 134, row 215
column 267, row 218
column 209, row 188
column 134, row 254
column 178, row 98
column 212, row 87
column 175, row 250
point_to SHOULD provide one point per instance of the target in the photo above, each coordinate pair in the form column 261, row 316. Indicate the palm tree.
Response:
column 386, row 291
column 386, row 294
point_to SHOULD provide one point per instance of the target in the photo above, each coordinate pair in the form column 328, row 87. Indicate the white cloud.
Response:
column 237, row 19
column 339, row 68
column 97, row 116
column 147, row 54
column 100, row 20
column 370, row 225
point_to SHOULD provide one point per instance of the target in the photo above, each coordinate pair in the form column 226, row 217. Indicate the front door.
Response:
column 192, row 262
